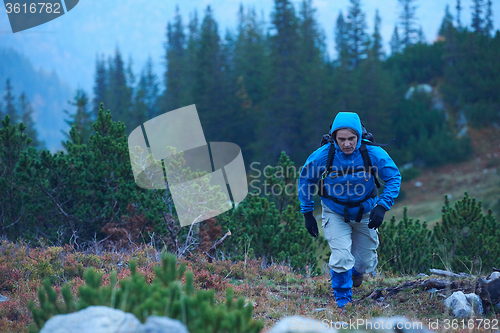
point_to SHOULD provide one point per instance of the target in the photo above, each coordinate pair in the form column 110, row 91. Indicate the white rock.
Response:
column 494, row 275
column 297, row 324
column 475, row 302
column 95, row 319
column 458, row 304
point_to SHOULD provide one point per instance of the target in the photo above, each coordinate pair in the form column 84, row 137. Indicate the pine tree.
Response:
column 358, row 40
column 171, row 294
column 488, row 27
column 208, row 79
column 176, row 93
column 407, row 17
column 311, row 67
column 119, row 92
column 447, row 24
column 466, row 239
column 272, row 226
column 81, row 120
column 395, row 41
column 251, row 68
column 404, row 246
column 139, row 112
column 14, row 189
column 421, row 36
column 341, row 39
column 26, row 110
column 10, row 105
column 458, row 7
column 100, row 86
column 477, row 19
column 377, row 49
column 150, row 86
column 284, row 83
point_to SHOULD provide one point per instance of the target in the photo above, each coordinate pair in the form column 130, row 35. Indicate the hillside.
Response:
column 274, row 289
column 48, row 95
column 479, row 176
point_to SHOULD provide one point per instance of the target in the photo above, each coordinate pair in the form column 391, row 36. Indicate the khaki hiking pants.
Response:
column 352, row 244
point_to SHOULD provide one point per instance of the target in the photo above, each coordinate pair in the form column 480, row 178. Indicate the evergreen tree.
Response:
column 145, row 104
column 341, row 39
column 407, row 17
column 10, row 105
column 208, row 94
column 446, row 27
column 458, row 7
column 150, row 87
column 421, row 36
column 358, row 40
column 14, row 189
column 119, row 92
column 404, row 246
column 376, row 98
column 251, row 68
column 488, row 27
column 395, row 41
column 284, row 83
column 81, row 120
column 477, row 19
column 176, row 93
column 312, row 97
column 139, row 111
column 26, row 110
column 466, row 239
column 272, row 226
column 377, row 49
column 100, row 86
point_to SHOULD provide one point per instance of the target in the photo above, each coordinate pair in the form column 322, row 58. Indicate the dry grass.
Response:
column 274, row 289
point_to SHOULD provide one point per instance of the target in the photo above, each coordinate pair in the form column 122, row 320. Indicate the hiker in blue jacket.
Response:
column 352, row 209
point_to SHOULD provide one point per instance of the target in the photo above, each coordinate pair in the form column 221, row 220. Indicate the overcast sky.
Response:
column 69, row 44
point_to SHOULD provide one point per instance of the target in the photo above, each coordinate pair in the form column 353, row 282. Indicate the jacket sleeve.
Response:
column 309, row 177
column 389, row 173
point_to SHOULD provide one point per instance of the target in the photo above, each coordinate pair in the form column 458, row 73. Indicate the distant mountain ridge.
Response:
column 46, row 92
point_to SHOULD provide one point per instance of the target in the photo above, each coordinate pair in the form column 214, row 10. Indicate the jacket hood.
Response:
column 348, row 119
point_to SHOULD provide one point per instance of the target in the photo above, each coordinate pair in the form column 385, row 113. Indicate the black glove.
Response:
column 311, row 224
column 376, row 217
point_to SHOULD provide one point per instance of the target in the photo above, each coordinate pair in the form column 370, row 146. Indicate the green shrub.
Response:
column 409, row 173
column 404, row 247
column 466, row 239
column 272, row 226
column 165, row 296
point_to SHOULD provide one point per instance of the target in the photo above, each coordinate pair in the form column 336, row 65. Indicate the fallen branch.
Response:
column 214, row 247
column 449, row 274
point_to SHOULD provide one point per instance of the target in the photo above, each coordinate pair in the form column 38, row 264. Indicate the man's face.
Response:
column 346, row 140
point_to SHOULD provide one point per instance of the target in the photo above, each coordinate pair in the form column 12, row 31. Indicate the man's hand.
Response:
column 311, row 224
column 376, row 217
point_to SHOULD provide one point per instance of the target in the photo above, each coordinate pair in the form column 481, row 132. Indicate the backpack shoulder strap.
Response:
column 368, row 163
column 328, row 169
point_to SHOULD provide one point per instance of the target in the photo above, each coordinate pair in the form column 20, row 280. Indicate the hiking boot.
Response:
column 357, row 280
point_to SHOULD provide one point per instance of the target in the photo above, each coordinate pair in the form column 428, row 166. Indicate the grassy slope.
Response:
column 274, row 290
column 479, row 176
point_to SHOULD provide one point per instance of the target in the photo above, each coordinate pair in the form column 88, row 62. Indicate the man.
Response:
column 352, row 210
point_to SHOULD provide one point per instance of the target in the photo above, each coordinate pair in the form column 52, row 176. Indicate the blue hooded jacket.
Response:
column 352, row 187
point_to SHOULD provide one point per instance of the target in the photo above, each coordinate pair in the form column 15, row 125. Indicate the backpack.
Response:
column 366, row 139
